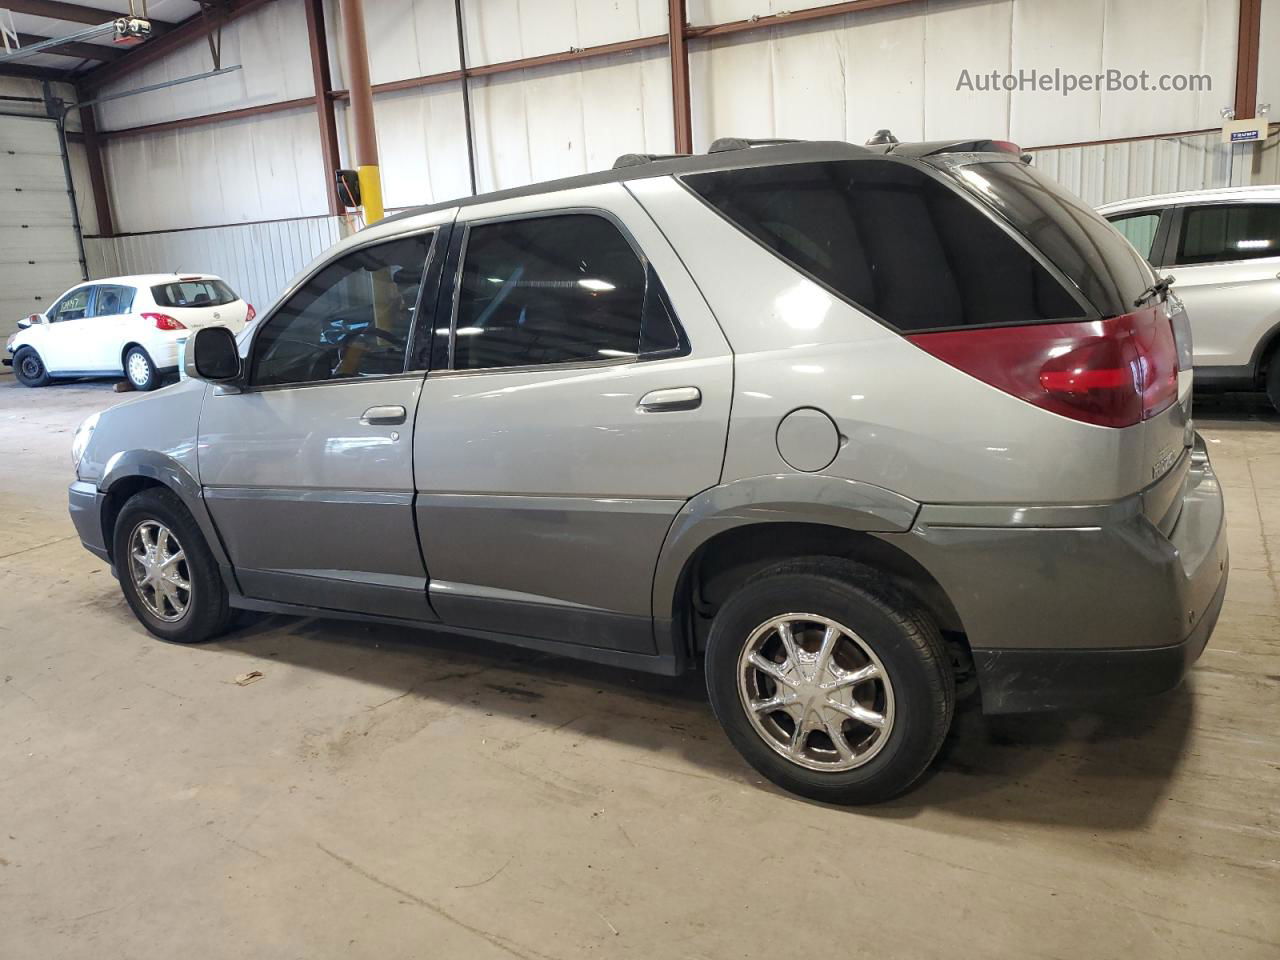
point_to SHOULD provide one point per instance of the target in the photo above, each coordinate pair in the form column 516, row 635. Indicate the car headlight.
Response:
column 81, row 439
column 8, row 344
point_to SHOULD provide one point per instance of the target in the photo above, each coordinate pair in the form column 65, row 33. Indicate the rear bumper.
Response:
column 1097, row 603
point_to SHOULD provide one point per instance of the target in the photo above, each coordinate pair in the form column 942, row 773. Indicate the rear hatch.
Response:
column 1150, row 328
column 200, row 301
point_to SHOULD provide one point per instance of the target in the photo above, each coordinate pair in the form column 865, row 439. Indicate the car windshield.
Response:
column 193, row 293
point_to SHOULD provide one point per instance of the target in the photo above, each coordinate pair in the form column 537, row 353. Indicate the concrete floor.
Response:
column 387, row 793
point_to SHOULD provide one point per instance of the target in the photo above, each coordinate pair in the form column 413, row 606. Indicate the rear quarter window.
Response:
column 193, row 293
column 892, row 239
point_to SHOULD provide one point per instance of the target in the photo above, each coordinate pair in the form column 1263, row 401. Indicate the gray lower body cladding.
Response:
column 1062, row 616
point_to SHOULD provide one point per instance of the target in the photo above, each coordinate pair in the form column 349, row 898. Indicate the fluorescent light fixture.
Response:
column 469, row 331
column 1252, row 244
column 596, row 285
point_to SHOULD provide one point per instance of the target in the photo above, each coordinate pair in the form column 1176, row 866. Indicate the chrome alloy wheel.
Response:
column 138, row 369
column 159, row 570
column 815, row 692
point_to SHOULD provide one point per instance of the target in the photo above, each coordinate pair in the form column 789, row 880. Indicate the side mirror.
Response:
column 212, row 355
column 28, row 321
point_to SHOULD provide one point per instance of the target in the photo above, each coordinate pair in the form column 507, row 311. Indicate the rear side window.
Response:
column 1139, row 229
column 1224, row 232
column 193, row 293
column 112, row 300
column 1075, row 239
column 557, row 289
column 891, row 239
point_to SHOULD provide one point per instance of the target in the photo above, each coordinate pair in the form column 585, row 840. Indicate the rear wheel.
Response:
column 1273, row 380
column 139, row 369
column 830, row 681
column 29, row 368
column 169, row 578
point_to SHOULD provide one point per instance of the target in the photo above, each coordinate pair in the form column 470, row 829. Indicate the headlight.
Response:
column 81, row 439
column 8, row 344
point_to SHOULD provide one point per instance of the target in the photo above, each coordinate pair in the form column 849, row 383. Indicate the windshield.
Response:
column 1092, row 253
column 193, row 293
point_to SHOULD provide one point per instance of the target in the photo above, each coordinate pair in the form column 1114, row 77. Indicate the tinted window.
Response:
column 1225, row 232
column 73, row 306
column 891, row 239
column 112, row 300
column 1066, row 230
column 193, row 293
column 1139, row 229
column 352, row 319
column 556, row 289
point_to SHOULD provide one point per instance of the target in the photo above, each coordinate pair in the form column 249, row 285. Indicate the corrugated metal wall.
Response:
column 257, row 259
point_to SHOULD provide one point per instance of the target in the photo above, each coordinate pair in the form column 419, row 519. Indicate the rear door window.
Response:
column 193, row 293
column 565, row 288
column 892, row 240
column 1223, row 232
column 112, row 300
column 1139, row 229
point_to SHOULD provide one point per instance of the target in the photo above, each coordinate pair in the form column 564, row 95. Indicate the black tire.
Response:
column 29, row 368
column 207, row 613
column 1273, row 380
column 139, row 370
column 893, row 626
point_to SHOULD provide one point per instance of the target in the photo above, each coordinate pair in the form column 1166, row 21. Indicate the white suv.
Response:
column 1223, row 248
column 130, row 325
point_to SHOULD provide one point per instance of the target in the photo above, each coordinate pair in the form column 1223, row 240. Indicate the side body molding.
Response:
column 778, row 498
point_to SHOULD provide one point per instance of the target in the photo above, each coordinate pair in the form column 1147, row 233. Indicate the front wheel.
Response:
column 169, row 578
column 29, row 368
column 139, row 369
column 830, row 681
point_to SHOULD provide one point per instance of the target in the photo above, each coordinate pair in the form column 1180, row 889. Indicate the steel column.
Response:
column 677, row 17
column 323, row 85
column 97, row 172
column 366, row 140
column 1247, row 42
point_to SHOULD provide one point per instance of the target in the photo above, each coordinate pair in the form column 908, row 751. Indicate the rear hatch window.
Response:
column 193, row 293
column 1074, row 237
column 892, row 239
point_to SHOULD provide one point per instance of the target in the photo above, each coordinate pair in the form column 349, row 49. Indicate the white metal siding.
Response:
column 39, row 255
column 257, row 259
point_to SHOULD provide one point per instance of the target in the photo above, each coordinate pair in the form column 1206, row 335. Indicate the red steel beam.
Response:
column 193, row 28
column 1248, row 40
column 71, row 12
column 322, row 83
column 97, row 171
column 208, row 118
column 793, row 16
column 677, row 23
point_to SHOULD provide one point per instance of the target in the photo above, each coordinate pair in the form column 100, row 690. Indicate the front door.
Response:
column 585, row 398
column 308, row 471
column 67, row 345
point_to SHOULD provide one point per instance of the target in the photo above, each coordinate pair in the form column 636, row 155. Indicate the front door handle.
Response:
column 384, row 416
column 673, row 398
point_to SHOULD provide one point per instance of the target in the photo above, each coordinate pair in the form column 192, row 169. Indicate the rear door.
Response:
column 577, row 399
column 109, row 326
column 308, row 471
column 1226, row 258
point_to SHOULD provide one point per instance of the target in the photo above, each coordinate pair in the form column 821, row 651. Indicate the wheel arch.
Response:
column 725, row 535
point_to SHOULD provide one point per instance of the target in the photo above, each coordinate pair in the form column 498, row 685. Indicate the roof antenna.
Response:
column 881, row 138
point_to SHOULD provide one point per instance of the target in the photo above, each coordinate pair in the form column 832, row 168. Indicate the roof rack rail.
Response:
column 637, row 159
column 725, row 144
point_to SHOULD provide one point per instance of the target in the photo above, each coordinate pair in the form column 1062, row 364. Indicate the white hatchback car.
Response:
column 1223, row 249
column 130, row 325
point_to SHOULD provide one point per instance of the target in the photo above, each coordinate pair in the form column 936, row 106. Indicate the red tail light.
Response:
column 1114, row 372
column 250, row 313
column 164, row 322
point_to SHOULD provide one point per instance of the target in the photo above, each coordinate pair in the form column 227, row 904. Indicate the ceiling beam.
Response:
column 71, row 12
column 190, row 29
column 27, row 72
column 74, row 48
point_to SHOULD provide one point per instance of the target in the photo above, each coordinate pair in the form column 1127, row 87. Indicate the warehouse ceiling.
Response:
column 38, row 20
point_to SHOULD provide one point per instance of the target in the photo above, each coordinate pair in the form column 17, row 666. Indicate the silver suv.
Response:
column 848, row 429
column 1223, row 247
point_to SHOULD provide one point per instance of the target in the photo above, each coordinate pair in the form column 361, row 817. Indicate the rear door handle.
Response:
column 384, row 416
column 673, row 398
